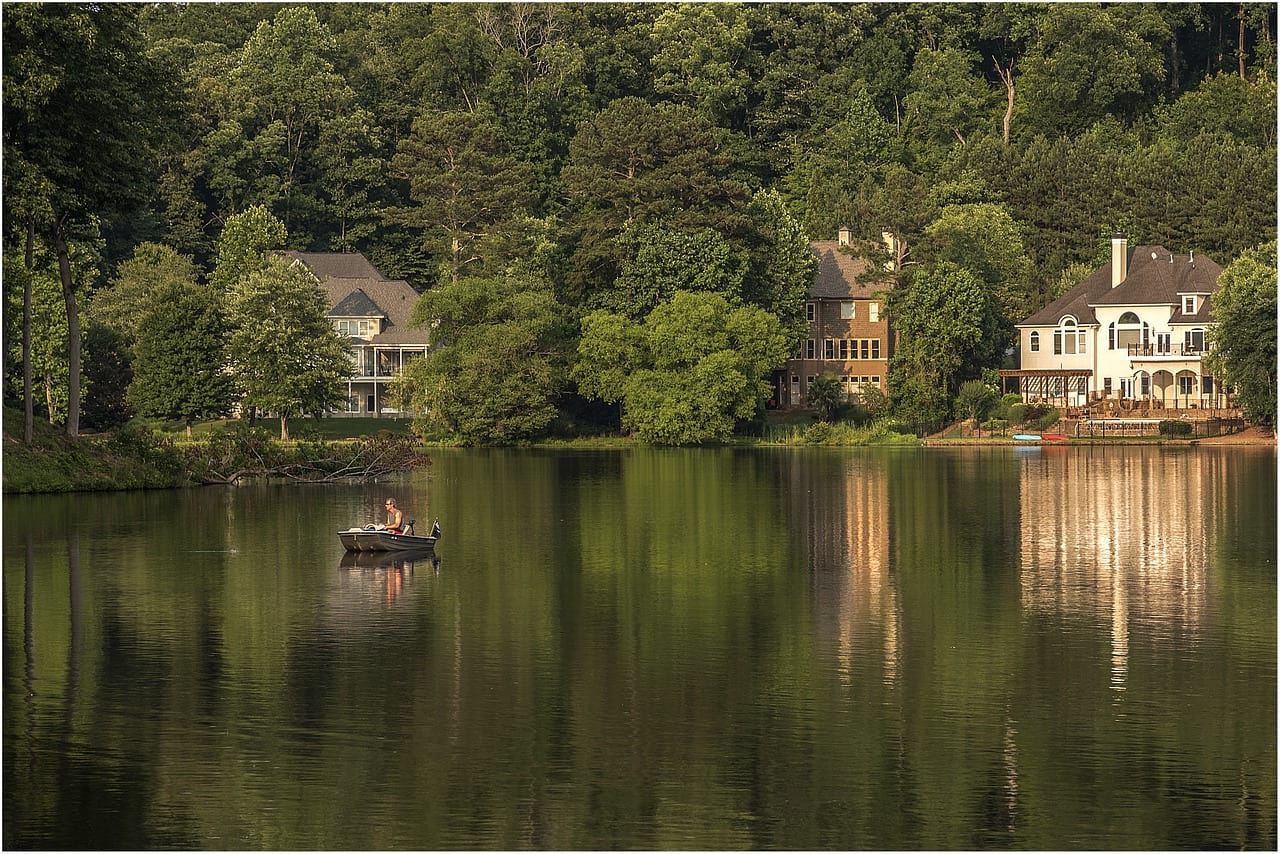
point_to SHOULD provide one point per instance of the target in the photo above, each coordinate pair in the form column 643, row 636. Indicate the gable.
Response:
column 356, row 304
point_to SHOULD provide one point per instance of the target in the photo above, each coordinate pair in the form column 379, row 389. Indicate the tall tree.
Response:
column 179, row 369
column 463, row 181
column 243, row 246
column 496, row 367
column 688, row 373
column 284, row 352
column 701, row 58
column 86, row 108
column 1243, row 350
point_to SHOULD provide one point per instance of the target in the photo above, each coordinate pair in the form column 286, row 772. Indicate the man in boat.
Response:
column 395, row 519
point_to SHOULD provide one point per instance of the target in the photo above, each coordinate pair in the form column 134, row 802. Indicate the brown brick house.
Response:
column 848, row 327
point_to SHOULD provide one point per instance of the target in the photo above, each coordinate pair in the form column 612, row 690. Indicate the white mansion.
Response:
column 1133, row 332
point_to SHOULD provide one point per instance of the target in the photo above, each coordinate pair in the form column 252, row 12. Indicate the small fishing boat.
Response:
column 375, row 538
column 1054, row 437
column 1026, row 437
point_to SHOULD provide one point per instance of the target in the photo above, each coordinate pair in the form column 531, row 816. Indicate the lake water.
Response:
column 767, row 648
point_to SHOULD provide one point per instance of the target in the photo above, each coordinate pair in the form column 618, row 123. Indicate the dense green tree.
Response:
column 136, row 285
column 635, row 163
column 688, row 373
column 179, row 369
column 700, row 58
column 782, row 265
column 496, row 367
column 949, row 101
column 284, row 352
column 463, row 181
column 660, row 261
column 984, row 239
column 86, row 108
column 243, row 247
column 1087, row 62
column 1222, row 104
column 950, row 328
column 1244, row 333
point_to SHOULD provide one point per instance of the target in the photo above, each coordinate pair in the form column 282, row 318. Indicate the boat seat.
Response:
column 408, row 526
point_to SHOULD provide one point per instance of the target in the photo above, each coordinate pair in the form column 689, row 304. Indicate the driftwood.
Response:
column 232, row 456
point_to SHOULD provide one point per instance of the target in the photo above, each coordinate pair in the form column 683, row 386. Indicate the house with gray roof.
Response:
column 849, row 333
column 374, row 314
column 1130, row 336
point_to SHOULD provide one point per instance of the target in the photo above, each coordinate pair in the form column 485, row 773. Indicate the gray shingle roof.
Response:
column 838, row 272
column 356, row 304
column 337, row 265
column 1150, row 281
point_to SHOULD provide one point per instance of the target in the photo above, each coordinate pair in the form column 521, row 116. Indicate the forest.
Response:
column 605, row 206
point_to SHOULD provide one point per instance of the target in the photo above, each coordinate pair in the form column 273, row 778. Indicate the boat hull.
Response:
column 374, row 540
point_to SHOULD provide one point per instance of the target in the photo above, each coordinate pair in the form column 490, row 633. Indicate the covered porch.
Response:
column 1064, row 388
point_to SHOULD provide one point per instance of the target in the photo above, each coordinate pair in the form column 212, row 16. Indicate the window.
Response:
column 1035, row 342
column 811, row 311
column 1188, row 305
column 865, row 346
column 828, row 348
column 353, row 403
column 1068, row 338
column 846, row 309
column 875, row 348
column 811, row 349
column 844, row 348
column 1162, row 343
column 1130, row 331
column 808, row 381
column 1193, row 341
column 1146, row 385
column 1106, row 387
column 1186, row 384
column 1206, row 385
column 873, row 312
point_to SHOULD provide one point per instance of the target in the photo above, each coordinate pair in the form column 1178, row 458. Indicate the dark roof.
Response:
column 356, row 304
column 337, row 265
column 388, row 298
column 838, row 272
column 1150, row 280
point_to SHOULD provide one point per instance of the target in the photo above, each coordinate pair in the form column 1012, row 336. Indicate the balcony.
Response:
column 1168, row 351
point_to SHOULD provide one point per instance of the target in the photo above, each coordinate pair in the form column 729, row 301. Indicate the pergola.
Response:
column 1051, row 385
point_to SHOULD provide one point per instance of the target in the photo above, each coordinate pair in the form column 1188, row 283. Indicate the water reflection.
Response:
column 725, row 649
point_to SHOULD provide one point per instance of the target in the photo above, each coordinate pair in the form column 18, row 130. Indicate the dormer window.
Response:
column 1189, row 304
column 355, row 328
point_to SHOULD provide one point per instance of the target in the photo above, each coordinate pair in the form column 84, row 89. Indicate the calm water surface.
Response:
column 893, row 648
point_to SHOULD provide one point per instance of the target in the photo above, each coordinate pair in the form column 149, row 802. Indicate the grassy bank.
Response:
column 53, row 463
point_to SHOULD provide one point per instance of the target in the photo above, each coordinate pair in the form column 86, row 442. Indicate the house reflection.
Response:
column 1119, row 539
column 847, row 527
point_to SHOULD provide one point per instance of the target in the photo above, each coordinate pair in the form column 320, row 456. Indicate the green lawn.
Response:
column 299, row 428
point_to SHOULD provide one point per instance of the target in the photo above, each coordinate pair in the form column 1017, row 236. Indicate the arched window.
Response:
column 1130, row 331
column 1035, row 342
column 1068, row 338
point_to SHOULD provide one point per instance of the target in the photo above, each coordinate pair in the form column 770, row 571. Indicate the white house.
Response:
column 1133, row 332
column 373, row 313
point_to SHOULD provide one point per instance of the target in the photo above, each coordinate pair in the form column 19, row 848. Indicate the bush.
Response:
column 996, row 425
column 818, row 433
column 1017, row 413
column 1048, row 419
column 1172, row 427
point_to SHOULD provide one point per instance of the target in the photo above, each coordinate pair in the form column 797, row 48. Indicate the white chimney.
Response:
column 891, row 243
column 1119, row 258
column 844, row 235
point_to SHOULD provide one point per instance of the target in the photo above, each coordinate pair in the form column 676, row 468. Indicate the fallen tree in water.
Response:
column 242, row 452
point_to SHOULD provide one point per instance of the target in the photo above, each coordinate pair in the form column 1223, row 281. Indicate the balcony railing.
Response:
column 1186, row 350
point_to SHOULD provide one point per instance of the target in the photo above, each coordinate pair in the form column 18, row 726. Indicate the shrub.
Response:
column 1048, row 419
column 1017, row 413
column 996, row 425
column 1173, row 427
column 818, row 433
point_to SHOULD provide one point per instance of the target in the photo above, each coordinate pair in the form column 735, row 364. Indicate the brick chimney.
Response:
column 1119, row 258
